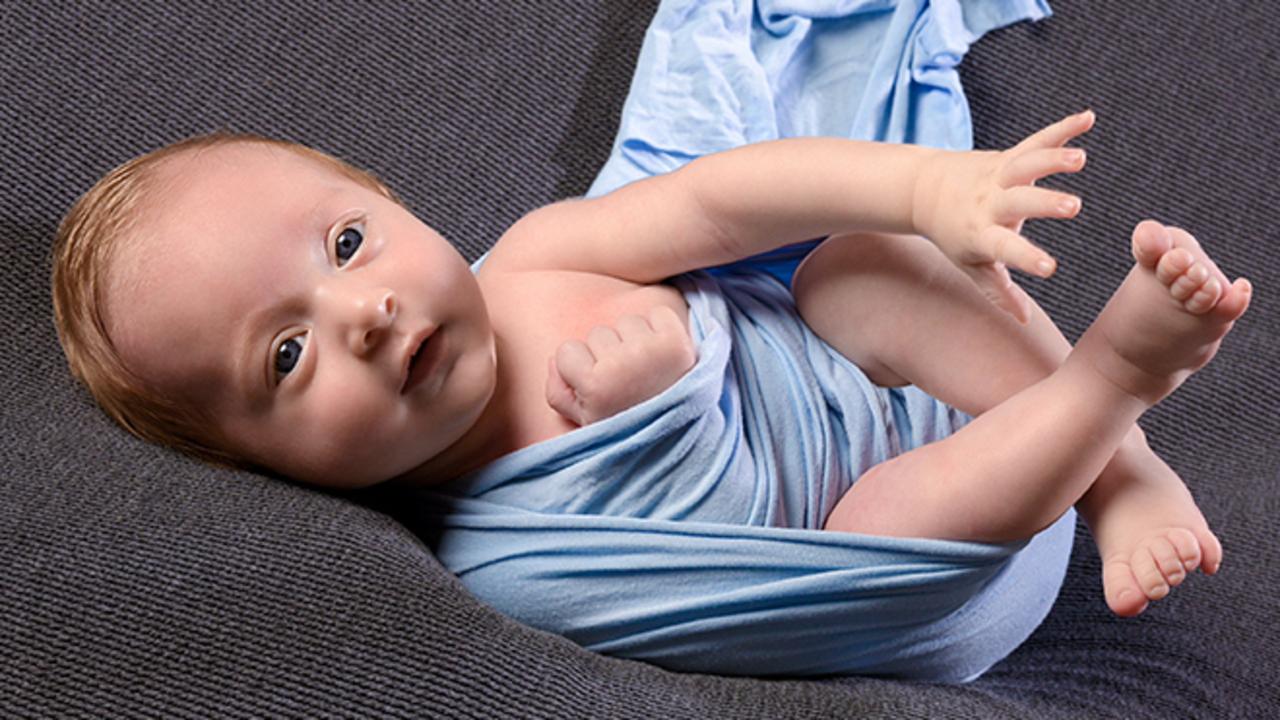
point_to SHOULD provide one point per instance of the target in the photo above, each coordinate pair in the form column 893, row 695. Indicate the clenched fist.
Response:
column 618, row 367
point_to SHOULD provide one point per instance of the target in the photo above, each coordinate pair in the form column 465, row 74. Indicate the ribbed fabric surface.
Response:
column 135, row 583
column 1187, row 101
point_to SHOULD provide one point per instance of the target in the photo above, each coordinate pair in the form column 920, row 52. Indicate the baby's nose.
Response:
column 371, row 316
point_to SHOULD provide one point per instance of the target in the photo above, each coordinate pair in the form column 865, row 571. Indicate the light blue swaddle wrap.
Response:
column 685, row 531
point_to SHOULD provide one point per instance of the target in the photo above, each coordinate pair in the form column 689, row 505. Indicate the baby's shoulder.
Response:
column 536, row 242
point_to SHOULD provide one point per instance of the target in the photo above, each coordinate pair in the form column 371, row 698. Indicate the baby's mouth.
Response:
column 424, row 360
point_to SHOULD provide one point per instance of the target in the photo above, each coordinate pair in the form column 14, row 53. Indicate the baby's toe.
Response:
column 1187, row 546
column 1189, row 282
column 1124, row 596
column 1234, row 301
column 1183, row 239
column 1203, row 299
column 1211, row 551
column 1151, row 240
column 1168, row 559
column 1146, row 569
column 1173, row 264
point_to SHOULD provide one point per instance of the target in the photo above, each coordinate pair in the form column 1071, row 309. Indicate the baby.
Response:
column 261, row 304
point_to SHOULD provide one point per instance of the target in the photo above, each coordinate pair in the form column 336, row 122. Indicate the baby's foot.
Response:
column 1165, row 321
column 1149, row 532
column 1168, row 317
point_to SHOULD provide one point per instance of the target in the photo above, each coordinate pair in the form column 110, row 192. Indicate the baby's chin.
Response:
column 341, row 479
column 366, row 467
column 332, row 469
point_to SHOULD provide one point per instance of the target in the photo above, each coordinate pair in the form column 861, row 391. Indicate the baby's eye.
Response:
column 347, row 244
column 286, row 356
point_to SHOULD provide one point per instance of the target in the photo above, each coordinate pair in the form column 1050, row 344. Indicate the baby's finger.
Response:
column 664, row 319
column 1061, row 132
column 666, row 323
column 633, row 328
column 1020, row 203
column 671, row 329
column 575, row 362
column 602, row 337
column 1003, row 245
column 994, row 282
column 560, row 396
column 1027, row 167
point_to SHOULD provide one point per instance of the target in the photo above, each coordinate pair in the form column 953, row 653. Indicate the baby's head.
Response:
column 260, row 304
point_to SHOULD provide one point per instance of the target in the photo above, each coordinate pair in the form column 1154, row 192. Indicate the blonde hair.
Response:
column 87, row 242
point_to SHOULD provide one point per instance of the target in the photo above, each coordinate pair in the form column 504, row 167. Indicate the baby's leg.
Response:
column 899, row 309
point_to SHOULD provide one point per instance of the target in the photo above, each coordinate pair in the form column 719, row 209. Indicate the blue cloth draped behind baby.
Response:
column 685, row 531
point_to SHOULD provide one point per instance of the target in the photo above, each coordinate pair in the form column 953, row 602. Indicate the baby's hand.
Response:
column 972, row 206
column 618, row 368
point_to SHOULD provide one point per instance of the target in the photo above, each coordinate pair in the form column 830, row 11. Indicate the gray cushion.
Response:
column 136, row 582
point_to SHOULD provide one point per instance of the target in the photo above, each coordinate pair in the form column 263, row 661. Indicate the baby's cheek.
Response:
column 352, row 422
column 337, row 437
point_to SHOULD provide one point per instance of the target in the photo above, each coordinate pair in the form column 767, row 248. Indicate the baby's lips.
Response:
column 412, row 347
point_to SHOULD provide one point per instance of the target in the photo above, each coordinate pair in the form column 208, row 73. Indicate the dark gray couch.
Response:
column 134, row 582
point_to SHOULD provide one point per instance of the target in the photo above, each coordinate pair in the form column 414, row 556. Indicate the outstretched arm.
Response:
column 751, row 199
column 723, row 207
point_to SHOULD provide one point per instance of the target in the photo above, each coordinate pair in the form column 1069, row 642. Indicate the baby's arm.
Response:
column 740, row 202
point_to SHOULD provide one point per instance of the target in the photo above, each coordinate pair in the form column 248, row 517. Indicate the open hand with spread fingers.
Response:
column 972, row 206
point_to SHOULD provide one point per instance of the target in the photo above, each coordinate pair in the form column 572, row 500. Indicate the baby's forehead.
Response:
column 237, row 159
column 163, row 306
column 203, row 249
column 250, row 179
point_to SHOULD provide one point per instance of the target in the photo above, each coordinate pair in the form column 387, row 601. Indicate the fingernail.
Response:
column 1069, row 205
column 1045, row 267
column 1075, row 155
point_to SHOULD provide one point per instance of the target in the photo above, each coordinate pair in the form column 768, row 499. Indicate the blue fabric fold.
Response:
column 715, row 75
column 686, row 531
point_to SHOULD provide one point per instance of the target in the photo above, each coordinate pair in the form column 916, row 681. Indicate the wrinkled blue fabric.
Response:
column 685, row 531
column 715, row 75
